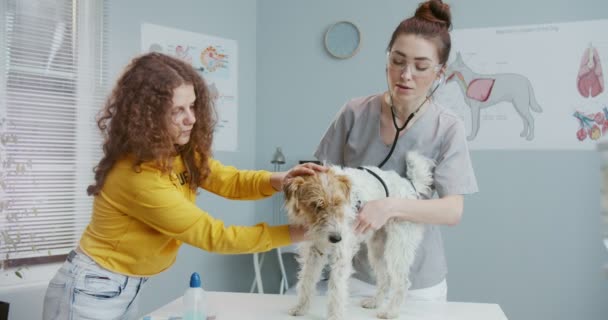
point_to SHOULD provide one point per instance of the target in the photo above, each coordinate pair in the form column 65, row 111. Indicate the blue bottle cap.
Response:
column 195, row 280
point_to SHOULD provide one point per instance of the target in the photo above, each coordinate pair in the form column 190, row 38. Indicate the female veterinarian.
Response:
column 378, row 130
column 158, row 126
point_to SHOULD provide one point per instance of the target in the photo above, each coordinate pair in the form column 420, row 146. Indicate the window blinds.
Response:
column 53, row 80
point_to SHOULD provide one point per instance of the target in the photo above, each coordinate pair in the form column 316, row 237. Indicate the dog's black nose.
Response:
column 335, row 238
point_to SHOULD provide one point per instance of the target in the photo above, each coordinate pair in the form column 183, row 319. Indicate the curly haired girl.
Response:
column 158, row 127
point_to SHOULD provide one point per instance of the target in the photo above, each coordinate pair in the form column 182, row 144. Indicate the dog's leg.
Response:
column 312, row 262
column 375, row 254
column 522, row 106
column 401, row 244
column 397, row 276
column 475, row 119
column 341, row 270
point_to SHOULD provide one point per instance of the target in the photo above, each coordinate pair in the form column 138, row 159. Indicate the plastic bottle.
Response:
column 195, row 300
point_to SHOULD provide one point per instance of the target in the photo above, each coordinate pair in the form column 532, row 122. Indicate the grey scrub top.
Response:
column 353, row 139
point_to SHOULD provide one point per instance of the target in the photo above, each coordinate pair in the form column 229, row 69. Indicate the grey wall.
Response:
column 232, row 19
column 530, row 240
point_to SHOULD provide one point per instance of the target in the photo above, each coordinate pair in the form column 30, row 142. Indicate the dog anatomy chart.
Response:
column 530, row 87
column 216, row 60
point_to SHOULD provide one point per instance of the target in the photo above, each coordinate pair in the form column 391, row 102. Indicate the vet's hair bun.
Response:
column 435, row 11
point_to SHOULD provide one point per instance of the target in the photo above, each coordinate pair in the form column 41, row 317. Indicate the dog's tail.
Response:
column 420, row 172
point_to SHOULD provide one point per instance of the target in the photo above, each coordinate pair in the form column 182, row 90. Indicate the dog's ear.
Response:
column 345, row 185
column 292, row 186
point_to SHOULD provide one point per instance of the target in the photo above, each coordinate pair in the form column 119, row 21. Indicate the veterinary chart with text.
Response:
column 530, row 87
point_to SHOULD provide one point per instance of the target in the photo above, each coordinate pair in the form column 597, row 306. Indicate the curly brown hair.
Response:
column 135, row 119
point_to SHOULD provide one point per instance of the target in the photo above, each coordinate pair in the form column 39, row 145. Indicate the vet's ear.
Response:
column 345, row 185
column 292, row 186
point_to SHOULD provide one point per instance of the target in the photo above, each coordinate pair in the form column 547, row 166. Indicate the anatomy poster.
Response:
column 530, row 87
column 216, row 61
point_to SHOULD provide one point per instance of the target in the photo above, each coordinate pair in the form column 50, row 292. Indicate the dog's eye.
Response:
column 336, row 201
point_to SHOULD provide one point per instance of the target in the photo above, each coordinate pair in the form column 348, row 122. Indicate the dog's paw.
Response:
column 369, row 303
column 298, row 310
column 387, row 314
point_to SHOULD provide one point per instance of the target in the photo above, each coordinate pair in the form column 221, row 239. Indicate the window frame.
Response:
column 90, row 62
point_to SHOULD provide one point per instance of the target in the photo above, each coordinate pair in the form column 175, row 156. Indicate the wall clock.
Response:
column 342, row 39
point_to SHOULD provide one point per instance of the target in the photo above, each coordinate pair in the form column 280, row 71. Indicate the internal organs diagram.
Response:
column 590, row 81
column 482, row 91
column 593, row 125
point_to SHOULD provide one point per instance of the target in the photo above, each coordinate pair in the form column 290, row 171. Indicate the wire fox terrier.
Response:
column 327, row 204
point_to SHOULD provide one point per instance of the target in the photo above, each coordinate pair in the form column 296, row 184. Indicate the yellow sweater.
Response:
column 140, row 219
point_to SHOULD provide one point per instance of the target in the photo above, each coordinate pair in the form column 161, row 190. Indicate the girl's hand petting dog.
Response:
column 297, row 233
column 373, row 215
column 279, row 179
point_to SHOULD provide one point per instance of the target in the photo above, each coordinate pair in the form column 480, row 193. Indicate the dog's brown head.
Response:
column 318, row 203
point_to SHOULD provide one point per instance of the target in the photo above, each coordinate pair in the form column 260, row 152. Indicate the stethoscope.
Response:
column 399, row 129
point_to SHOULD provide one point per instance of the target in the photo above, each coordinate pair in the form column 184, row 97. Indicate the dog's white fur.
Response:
column 327, row 205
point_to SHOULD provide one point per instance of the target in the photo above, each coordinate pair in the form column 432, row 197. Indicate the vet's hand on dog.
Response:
column 373, row 215
column 279, row 179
